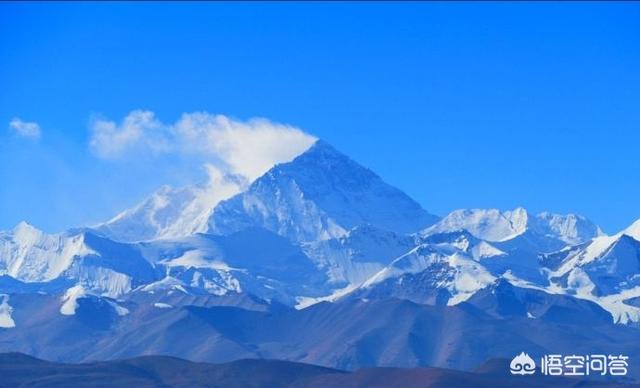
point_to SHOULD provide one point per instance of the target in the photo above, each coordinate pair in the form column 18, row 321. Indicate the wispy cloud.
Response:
column 139, row 130
column 30, row 130
column 247, row 148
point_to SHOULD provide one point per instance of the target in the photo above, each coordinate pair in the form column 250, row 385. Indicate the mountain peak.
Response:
column 322, row 158
column 571, row 228
column 322, row 149
column 633, row 230
column 23, row 225
column 320, row 194
column 321, row 146
column 487, row 224
column 500, row 226
column 173, row 212
column 24, row 231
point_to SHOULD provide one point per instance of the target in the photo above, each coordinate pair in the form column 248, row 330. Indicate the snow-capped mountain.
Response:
column 443, row 269
column 320, row 227
column 173, row 212
column 359, row 254
column 254, row 260
column 318, row 260
column 30, row 255
column 489, row 225
column 543, row 232
column 605, row 270
column 248, row 266
column 82, row 257
column 84, row 263
column 321, row 194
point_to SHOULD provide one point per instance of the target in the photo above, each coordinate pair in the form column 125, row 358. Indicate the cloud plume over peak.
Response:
column 246, row 148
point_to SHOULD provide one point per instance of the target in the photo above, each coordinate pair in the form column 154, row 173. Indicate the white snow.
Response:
column 6, row 320
column 468, row 276
column 167, row 283
column 579, row 282
column 358, row 255
column 29, row 255
column 633, row 230
column 582, row 257
column 71, row 296
column 195, row 258
column 571, row 228
column 319, row 195
column 490, row 225
column 494, row 225
column 121, row 311
column 162, row 305
column 581, row 286
column 70, row 299
column 468, row 279
column 484, row 250
column 171, row 213
column 304, row 301
column 102, row 281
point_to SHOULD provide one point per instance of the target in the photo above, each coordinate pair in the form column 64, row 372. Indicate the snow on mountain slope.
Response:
column 443, row 271
column 571, row 228
column 515, row 256
column 171, row 213
column 30, row 255
column 362, row 252
column 490, row 224
column 607, row 265
column 76, row 296
column 376, row 264
column 633, row 230
column 6, row 320
column 70, row 300
column 104, row 266
column 544, row 232
column 253, row 260
column 604, row 270
column 319, row 195
column 578, row 285
column 168, row 283
column 112, row 270
column 463, row 241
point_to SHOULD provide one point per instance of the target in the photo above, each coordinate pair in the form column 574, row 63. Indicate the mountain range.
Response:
column 319, row 261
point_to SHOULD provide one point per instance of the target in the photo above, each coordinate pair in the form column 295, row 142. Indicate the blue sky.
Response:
column 461, row 105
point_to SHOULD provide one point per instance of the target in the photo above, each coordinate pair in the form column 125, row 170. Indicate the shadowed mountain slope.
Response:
column 18, row 369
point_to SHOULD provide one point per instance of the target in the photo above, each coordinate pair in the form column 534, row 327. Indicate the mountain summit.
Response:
column 321, row 194
column 173, row 212
column 544, row 231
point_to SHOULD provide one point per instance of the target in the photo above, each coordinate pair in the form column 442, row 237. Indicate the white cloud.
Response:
column 246, row 148
column 26, row 129
column 140, row 129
